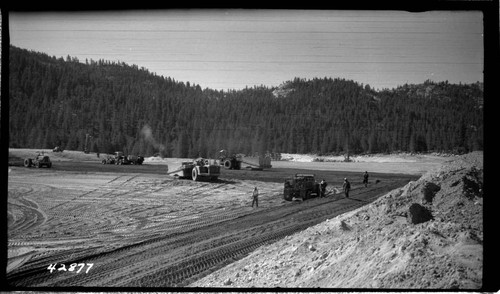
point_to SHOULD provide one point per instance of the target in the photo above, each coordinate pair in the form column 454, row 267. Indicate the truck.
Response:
column 40, row 160
column 199, row 169
column 301, row 187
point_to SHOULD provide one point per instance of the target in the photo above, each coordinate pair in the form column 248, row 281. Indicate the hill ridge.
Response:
column 104, row 106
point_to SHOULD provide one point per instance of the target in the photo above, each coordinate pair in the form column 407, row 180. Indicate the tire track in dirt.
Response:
column 182, row 225
column 112, row 189
column 177, row 259
column 276, row 230
column 126, row 259
column 220, row 251
column 26, row 213
column 98, row 189
column 180, row 241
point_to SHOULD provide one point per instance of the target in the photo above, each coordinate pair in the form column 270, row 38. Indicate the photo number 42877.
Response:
column 72, row 267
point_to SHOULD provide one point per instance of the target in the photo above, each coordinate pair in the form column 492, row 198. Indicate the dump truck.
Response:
column 40, row 160
column 199, row 169
column 301, row 187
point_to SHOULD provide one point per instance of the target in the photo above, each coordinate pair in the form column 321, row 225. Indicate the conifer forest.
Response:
column 108, row 106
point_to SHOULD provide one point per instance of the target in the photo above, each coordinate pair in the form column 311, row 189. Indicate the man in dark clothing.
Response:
column 255, row 196
column 346, row 186
column 365, row 179
column 323, row 185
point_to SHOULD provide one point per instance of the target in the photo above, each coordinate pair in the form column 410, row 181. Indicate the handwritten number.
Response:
column 90, row 265
column 52, row 267
column 62, row 268
column 81, row 265
column 72, row 267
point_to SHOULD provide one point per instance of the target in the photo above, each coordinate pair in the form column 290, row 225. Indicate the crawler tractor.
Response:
column 301, row 187
column 40, row 160
column 198, row 169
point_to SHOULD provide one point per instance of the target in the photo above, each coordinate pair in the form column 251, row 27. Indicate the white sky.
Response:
column 231, row 49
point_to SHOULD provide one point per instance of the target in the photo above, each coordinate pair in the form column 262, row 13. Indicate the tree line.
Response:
column 108, row 106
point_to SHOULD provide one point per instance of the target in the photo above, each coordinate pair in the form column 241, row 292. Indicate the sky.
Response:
column 234, row 49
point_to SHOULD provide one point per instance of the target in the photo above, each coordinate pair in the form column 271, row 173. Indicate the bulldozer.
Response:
column 199, row 169
column 301, row 187
column 40, row 160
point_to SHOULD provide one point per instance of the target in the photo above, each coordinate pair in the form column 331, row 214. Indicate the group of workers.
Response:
column 346, row 187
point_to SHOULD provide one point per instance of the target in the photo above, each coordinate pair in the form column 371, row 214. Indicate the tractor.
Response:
column 301, row 187
column 120, row 159
column 57, row 149
column 108, row 160
column 40, row 160
column 236, row 160
column 198, row 169
column 134, row 159
column 230, row 161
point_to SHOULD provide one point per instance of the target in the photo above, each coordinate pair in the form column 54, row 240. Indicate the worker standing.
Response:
column 346, row 186
column 323, row 185
column 365, row 179
column 255, row 196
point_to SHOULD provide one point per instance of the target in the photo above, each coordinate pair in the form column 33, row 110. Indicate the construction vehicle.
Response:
column 230, row 162
column 257, row 162
column 57, row 149
column 119, row 159
column 301, row 187
column 108, row 160
column 236, row 160
column 40, row 160
column 198, row 169
column 134, row 159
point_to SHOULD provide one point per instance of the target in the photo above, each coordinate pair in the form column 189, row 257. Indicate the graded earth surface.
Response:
column 81, row 223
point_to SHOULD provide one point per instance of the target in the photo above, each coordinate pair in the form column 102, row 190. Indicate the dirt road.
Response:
column 134, row 226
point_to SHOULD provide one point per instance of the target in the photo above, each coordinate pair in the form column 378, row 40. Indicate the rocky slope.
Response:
column 426, row 235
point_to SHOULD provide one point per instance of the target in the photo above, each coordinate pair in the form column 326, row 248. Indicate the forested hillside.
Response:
column 114, row 106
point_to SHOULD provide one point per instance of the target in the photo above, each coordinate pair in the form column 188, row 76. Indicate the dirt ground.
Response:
column 139, row 227
column 383, row 245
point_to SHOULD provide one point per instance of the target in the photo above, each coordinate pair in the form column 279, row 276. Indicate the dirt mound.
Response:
column 426, row 235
